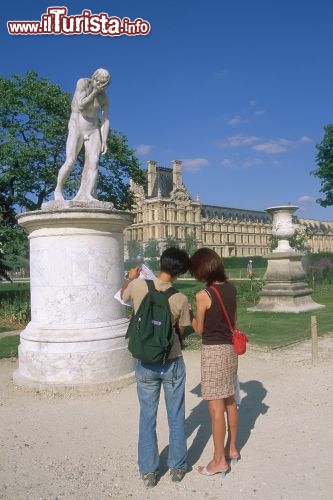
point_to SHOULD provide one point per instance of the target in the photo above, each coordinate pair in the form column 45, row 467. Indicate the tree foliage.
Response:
column 170, row 241
column 4, row 269
column 190, row 244
column 298, row 241
column 14, row 246
column 34, row 115
column 152, row 250
column 324, row 172
column 134, row 249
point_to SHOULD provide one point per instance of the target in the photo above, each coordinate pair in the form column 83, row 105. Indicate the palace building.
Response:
column 165, row 211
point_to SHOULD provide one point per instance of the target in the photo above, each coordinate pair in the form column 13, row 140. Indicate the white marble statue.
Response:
column 89, row 125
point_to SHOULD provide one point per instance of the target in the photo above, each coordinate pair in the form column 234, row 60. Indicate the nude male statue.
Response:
column 85, row 127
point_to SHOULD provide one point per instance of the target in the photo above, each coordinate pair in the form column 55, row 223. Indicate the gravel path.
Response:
column 79, row 446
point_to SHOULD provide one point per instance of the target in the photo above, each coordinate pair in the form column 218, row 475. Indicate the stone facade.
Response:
column 166, row 210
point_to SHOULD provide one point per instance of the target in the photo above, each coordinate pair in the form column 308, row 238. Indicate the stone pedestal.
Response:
column 76, row 335
column 286, row 289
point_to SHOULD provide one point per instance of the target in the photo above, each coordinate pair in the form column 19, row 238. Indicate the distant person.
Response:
column 249, row 269
column 219, row 362
column 171, row 374
column 85, row 127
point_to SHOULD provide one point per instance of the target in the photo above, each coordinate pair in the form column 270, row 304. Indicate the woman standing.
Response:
column 219, row 362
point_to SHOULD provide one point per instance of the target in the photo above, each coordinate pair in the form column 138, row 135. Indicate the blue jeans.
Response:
column 150, row 378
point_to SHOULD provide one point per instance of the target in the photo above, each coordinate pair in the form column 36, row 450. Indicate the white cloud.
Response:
column 260, row 112
column 305, row 139
column 226, row 162
column 143, row 149
column 252, row 103
column 269, row 146
column 195, row 164
column 252, row 162
column 308, row 200
column 236, row 120
column 272, row 146
column 238, row 140
column 247, row 163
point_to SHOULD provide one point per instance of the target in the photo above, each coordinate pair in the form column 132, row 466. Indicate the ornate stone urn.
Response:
column 286, row 288
column 283, row 227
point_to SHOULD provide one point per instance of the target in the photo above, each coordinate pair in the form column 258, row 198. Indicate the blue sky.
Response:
column 240, row 91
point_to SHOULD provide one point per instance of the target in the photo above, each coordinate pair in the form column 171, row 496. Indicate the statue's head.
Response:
column 102, row 76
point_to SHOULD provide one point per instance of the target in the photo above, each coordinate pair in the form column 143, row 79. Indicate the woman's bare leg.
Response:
column 232, row 418
column 216, row 410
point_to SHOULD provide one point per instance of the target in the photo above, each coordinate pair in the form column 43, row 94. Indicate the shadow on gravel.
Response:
column 198, row 421
column 251, row 407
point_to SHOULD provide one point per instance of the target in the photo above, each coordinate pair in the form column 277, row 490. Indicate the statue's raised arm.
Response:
column 89, row 125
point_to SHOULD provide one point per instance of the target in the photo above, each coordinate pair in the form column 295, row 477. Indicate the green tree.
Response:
column 152, row 250
column 4, row 271
column 324, row 172
column 134, row 249
column 34, row 116
column 171, row 242
column 190, row 244
column 15, row 246
column 299, row 240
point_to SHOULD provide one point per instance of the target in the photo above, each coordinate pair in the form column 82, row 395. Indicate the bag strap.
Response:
column 222, row 306
column 150, row 285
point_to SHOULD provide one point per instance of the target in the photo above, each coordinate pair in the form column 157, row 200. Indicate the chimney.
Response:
column 177, row 179
column 151, row 174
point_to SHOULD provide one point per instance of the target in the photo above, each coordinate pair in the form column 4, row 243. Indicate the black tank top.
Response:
column 216, row 329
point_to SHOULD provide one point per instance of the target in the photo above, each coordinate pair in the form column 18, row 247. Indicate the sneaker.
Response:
column 177, row 475
column 149, row 479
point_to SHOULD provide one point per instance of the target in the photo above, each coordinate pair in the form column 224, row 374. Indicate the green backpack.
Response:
column 150, row 333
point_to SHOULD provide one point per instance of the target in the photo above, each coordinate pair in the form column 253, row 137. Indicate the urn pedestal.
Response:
column 76, row 336
column 286, row 289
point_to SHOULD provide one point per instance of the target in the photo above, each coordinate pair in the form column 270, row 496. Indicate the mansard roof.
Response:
column 163, row 183
column 317, row 226
column 239, row 214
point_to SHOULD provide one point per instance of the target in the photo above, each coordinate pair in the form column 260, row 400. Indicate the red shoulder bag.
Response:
column 239, row 338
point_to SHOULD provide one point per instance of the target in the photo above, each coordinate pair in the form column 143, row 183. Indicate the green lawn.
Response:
column 267, row 330
column 6, row 286
column 271, row 330
column 8, row 346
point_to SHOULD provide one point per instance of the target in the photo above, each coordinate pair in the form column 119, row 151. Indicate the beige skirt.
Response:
column 219, row 365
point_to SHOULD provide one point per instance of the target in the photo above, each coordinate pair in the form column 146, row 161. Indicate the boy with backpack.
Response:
column 168, row 372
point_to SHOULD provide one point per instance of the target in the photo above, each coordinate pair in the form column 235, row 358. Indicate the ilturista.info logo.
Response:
column 56, row 21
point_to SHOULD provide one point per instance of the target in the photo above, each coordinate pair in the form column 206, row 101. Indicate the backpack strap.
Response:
column 170, row 291
column 150, row 285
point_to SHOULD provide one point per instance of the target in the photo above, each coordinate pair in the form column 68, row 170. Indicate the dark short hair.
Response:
column 174, row 261
column 206, row 266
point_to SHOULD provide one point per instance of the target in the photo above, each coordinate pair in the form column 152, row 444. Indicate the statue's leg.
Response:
column 89, row 178
column 73, row 146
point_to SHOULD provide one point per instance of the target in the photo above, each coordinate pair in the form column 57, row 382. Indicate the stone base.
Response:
column 76, row 336
column 115, row 384
column 286, row 289
column 61, row 205
column 280, row 301
column 74, row 356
